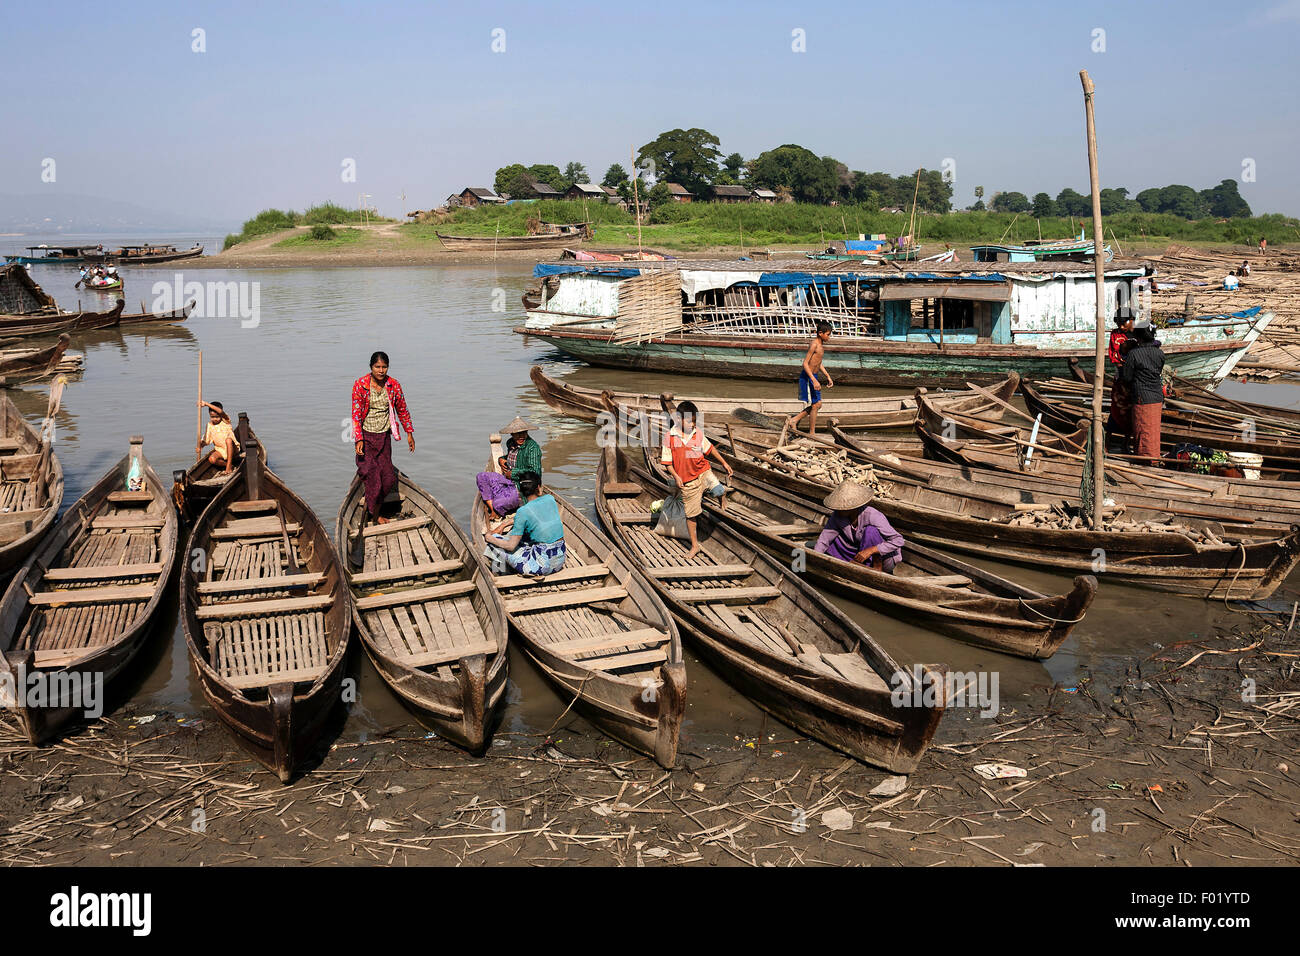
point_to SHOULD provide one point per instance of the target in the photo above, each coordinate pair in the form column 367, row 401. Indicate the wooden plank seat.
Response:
column 248, row 681
column 245, row 609
column 581, row 572
column 260, row 506
column 127, row 522
column 261, row 584
column 621, row 488
column 436, row 592
column 104, row 595
column 701, row 571
column 725, row 595
column 103, row 573
column 10, row 444
column 603, row 643
column 634, row 517
column 558, row 599
column 130, row 497
column 405, row 524
column 791, row 530
column 252, row 528
column 634, row 659
column 427, row 569
column 445, row 655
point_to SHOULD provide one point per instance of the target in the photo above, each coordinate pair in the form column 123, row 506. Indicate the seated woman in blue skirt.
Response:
column 536, row 545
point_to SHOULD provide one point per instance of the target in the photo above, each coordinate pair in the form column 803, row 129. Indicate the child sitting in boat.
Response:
column 522, row 456
column 225, row 446
column 536, row 545
column 857, row 532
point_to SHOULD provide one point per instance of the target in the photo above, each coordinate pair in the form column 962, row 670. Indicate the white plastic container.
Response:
column 1248, row 462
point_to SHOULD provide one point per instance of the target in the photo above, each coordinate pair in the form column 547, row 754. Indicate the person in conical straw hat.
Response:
column 500, row 489
column 857, row 532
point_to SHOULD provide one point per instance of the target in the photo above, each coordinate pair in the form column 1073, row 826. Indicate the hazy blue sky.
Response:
column 414, row 94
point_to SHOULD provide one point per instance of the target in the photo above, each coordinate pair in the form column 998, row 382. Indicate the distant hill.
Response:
column 73, row 214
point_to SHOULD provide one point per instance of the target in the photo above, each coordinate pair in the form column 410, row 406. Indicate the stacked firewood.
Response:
column 822, row 463
column 1060, row 516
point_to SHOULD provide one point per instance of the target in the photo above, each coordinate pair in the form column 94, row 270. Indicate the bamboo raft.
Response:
column 81, row 606
column 31, row 481
column 769, row 634
column 932, row 589
column 196, row 486
column 1151, row 549
column 426, row 610
column 599, row 634
column 893, row 411
column 267, row 617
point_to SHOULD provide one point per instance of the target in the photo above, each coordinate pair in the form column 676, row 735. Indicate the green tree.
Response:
column 513, row 180
column 934, row 193
column 1071, row 203
column 688, row 157
column 808, row 178
column 615, row 176
column 659, row 195
column 1149, row 199
column 1115, row 201
column 1184, row 201
column 734, row 164
column 575, row 173
column 1011, row 202
column 550, row 175
column 1225, row 202
column 1044, row 207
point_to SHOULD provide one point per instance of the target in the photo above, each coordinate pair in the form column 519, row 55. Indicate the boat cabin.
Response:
column 1071, row 250
column 20, row 295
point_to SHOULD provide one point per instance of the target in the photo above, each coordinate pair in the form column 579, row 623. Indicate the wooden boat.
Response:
column 80, row 608
column 769, row 634
column 268, row 619
column 927, row 587
column 102, row 283
column 51, row 255
column 503, row 243
column 599, row 634
column 54, row 322
column 19, row 366
column 892, row 411
column 146, row 254
column 1190, row 557
column 31, row 481
column 146, row 317
column 196, row 486
column 426, row 610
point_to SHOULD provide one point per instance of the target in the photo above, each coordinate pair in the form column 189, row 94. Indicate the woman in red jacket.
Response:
column 378, row 406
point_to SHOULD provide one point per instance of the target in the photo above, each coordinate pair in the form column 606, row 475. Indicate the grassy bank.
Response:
column 276, row 220
column 322, row 237
column 703, row 225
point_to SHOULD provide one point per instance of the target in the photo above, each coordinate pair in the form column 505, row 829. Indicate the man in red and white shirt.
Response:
column 685, row 451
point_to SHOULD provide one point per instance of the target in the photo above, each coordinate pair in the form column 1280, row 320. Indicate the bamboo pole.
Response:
column 1099, row 272
column 636, row 200
column 198, row 440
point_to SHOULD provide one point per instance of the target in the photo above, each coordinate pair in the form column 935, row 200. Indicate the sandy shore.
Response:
column 1163, row 764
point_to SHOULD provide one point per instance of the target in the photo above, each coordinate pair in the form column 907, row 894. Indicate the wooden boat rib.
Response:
column 484, row 243
column 599, row 634
column 19, row 366
column 769, row 634
column 268, row 619
column 893, row 411
column 31, row 482
column 196, row 486
column 927, row 587
column 81, row 606
column 963, row 516
column 427, row 612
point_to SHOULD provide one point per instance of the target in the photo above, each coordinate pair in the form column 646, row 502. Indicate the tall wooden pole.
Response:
column 199, row 440
column 1099, row 275
column 636, row 200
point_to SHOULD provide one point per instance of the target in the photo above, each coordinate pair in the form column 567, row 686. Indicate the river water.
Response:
column 465, row 374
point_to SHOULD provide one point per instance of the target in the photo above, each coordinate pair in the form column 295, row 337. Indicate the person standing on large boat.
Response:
column 378, row 406
column 809, row 392
column 1119, row 426
column 1142, row 371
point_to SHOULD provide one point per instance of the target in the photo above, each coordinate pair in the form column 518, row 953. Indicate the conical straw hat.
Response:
column 516, row 426
column 848, row 496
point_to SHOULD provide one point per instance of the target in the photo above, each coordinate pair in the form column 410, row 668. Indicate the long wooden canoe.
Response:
column 52, row 322
column 31, row 482
column 890, row 411
column 932, row 589
column 147, row 317
column 426, row 610
column 599, row 634
column 80, row 608
column 490, row 243
column 196, row 486
column 268, row 618
column 768, row 633
column 963, row 516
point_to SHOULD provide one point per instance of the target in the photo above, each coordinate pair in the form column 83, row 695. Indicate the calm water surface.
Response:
column 465, row 374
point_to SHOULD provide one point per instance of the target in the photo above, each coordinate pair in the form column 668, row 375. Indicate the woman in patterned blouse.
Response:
column 378, row 407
